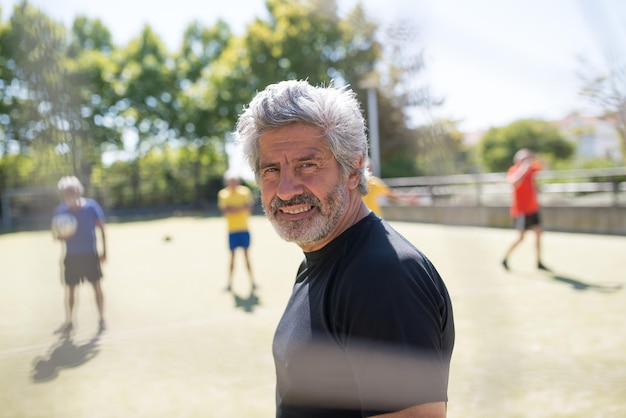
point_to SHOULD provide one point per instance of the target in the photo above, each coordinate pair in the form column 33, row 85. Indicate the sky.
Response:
column 493, row 61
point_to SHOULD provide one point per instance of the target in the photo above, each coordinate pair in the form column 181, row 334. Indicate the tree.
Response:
column 35, row 93
column 307, row 39
column 607, row 90
column 498, row 146
column 89, row 35
column 146, row 83
column 56, row 91
column 6, row 75
column 441, row 150
column 67, row 97
column 303, row 39
column 406, row 150
column 89, row 68
column 202, row 118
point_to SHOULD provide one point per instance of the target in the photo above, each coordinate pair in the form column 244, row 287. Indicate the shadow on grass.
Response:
column 247, row 304
column 575, row 283
column 64, row 354
column 578, row 284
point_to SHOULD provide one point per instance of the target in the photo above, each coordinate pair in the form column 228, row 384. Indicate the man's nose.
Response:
column 289, row 185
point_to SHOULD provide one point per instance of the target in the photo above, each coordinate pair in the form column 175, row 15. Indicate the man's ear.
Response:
column 355, row 175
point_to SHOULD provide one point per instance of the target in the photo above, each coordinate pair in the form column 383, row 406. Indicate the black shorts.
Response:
column 523, row 222
column 77, row 268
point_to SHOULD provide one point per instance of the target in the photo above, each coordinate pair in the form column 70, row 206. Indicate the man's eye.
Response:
column 308, row 166
column 269, row 172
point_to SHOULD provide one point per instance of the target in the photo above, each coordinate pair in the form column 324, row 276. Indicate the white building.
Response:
column 594, row 137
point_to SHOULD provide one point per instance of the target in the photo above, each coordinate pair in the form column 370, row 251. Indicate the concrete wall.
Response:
column 594, row 220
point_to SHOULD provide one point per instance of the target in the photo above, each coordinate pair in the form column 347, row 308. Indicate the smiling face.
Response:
column 304, row 193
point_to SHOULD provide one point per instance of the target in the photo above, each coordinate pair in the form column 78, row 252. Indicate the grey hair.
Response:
column 521, row 154
column 70, row 182
column 335, row 111
column 231, row 175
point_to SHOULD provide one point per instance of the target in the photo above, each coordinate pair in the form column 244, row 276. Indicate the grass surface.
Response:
column 529, row 344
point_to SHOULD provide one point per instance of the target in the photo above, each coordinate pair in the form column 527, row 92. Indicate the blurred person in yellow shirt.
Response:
column 235, row 201
column 377, row 189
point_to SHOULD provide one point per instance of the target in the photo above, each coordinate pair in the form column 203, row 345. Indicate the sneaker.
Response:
column 102, row 325
column 505, row 264
column 67, row 328
column 540, row 266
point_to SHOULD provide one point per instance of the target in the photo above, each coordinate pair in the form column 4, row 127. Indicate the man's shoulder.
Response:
column 91, row 203
column 374, row 239
column 224, row 193
column 512, row 169
column 385, row 248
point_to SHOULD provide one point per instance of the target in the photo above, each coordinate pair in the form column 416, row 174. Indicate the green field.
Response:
column 529, row 344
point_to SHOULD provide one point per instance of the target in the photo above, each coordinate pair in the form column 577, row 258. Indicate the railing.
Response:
column 590, row 187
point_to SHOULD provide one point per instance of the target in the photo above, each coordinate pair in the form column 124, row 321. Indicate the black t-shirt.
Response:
column 368, row 329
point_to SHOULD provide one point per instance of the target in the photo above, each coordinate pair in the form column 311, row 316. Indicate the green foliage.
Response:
column 67, row 96
column 399, row 165
column 50, row 94
column 89, row 35
column 498, row 146
column 201, row 46
column 15, row 171
column 41, row 168
column 302, row 39
column 164, row 176
column 33, row 49
column 589, row 163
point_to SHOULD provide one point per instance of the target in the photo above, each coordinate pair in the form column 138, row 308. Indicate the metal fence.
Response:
column 589, row 187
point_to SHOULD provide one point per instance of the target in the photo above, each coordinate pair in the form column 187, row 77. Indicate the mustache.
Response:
column 278, row 203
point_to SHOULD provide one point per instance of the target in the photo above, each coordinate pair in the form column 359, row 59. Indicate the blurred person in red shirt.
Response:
column 525, row 206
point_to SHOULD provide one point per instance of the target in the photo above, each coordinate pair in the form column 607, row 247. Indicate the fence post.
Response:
column 479, row 190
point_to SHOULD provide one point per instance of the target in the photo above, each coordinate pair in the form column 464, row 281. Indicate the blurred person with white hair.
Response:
column 235, row 201
column 81, row 259
column 525, row 206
